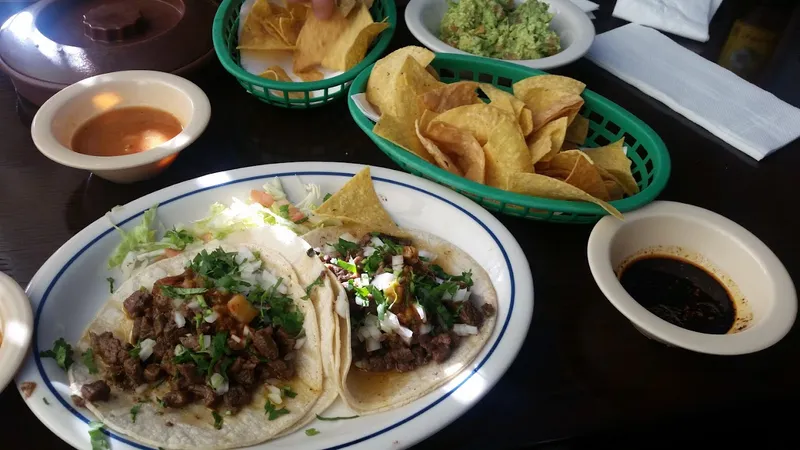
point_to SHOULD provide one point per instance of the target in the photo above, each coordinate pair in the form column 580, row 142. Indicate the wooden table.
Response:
column 584, row 373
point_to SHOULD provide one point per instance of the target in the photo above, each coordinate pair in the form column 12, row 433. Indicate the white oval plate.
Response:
column 71, row 286
column 423, row 18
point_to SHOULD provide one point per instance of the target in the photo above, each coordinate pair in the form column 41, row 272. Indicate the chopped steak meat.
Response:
column 137, row 302
column 236, row 396
column 142, row 329
column 133, row 370
column 488, row 310
column 243, row 370
column 263, row 342
column 152, row 372
column 78, row 401
column 204, row 393
column 176, row 399
column 470, row 314
column 439, row 347
column 285, row 342
column 108, row 347
column 190, row 342
column 97, row 391
column 280, row 369
column 27, row 388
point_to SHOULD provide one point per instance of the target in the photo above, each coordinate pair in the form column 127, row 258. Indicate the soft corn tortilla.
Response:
column 193, row 426
column 366, row 392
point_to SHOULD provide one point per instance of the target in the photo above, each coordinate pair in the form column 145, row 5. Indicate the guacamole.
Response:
column 494, row 28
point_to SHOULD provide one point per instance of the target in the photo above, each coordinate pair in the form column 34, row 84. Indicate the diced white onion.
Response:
column 373, row 345
column 177, row 302
column 244, row 254
column 383, row 280
column 268, row 279
column 374, row 332
column 273, row 381
column 349, row 237
column 328, row 249
column 461, row 295
column 430, row 256
column 141, row 388
column 362, row 334
column 146, row 348
column 211, row 317
column 246, row 330
column 342, row 306
column 376, row 241
column 361, row 364
column 127, row 265
column 219, row 384
column 420, row 311
column 180, row 321
column 288, row 357
column 464, row 329
column 179, row 350
column 236, row 338
column 405, row 334
column 371, row 320
column 447, row 295
column 274, row 395
column 391, row 324
column 206, row 342
column 282, row 288
column 193, row 305
column 361, row 301
column 439, row 281
column 368, row 251
column 298, row 344
column 425, row 328
column 397, row 262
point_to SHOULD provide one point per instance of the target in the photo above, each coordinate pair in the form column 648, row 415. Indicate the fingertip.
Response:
column 323, row 9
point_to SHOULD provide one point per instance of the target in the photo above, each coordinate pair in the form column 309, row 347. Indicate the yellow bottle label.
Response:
column 748, row 48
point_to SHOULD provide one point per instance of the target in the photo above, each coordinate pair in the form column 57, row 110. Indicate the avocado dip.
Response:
column 494, row 28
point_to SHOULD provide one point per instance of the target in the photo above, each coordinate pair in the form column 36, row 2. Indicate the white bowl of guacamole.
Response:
column 541, row 34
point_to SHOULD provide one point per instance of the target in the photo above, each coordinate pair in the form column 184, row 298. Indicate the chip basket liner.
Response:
column 225, row 36
column 608, row 122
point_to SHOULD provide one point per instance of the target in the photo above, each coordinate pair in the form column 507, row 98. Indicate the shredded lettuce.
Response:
column 274, row 187
column 135, row 240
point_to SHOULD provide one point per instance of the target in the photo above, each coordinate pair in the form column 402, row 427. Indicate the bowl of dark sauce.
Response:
column 690, row 278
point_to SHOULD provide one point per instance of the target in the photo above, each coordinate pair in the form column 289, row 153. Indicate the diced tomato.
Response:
column 264, row 199
column 169, row 253
column 207, row 237
column 295, row 215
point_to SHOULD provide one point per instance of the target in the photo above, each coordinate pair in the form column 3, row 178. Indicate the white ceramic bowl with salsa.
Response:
column 573, row 26
column 758, row 285
column 16, row 328
column 91, row 125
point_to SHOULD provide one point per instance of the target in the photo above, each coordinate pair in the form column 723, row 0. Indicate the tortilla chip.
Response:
column 542, row 186
column 498, row 131
column 583, row 174
column 547, row 141
column 449, row 96
column 438, row 156
column 578, row 130
column 507, row 102
column 345, row 6
column 433, row 72
column 316, row 39
column 310, row 75
column 381, row 89
column 552, row 82
column 426, row 118
column 526, row 121
column 568, row 146
column 276, row 73
column 351, row 47
column 547, row 105
column 298, row 10
column 357, row 203
column 462, row 147
column 612, row 158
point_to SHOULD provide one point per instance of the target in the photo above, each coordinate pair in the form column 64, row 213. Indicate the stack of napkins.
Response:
column 587, row 7
column 738, row 112
column 687, row 18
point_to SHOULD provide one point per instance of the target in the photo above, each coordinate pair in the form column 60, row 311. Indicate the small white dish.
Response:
column 16, row 327
column 57, row 120
column 762, row 288
column 573, row 26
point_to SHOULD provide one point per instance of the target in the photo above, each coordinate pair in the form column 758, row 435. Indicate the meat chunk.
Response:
column 108, row 348
column 285, row 342
column 401, row 358
column 133, row 370
column 280, row 369
column 189, row 372
column 243, row 370
column 27, row 388
column 152, row 372
column 78, row 401
column 159, row 323
column 189, row 342
column 176, row 399
column 97, row 391
column 236, row 396
column 410, row 255
column 264, row 344
column 137, row 303
column 439, row 347
column 161, row 349
column 488, row 310
column 470, row 314
column 142, row 329
column 205, row 393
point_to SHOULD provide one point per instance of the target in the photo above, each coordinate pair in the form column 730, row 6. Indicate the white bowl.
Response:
column 762, row 290
column 572, row 25
column 16, row 325
column 60, row 116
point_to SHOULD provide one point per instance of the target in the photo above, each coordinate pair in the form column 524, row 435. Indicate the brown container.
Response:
column 54, row 43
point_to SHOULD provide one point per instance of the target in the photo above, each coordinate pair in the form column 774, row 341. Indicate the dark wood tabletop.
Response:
column 584, row 377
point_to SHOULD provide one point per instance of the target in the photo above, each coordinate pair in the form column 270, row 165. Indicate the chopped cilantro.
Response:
column 350, row 267
column 283, row 211
column 161, row 402
column 221, row 268
column 335, row 418
column 219, row 348
column 88, row 360
column 179, row 239
column 344, row 247
column 288, row 392
column 318, row 282
column 327, row 196
column 276, row 308
column 110, row 284
column 200, row 360
column 217, row 420
column 465, row 277
column 97, row 437
column 273, row 413
column 134, row 352
column 179, row 292
column 312, row 432
column 134, row 411
column 44, row 399
column 61, row 352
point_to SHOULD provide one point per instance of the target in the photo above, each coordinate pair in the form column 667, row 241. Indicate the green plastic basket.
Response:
column 225, row 36
column 608, row 123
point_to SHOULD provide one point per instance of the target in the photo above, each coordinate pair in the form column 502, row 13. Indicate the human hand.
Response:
column 323, row 9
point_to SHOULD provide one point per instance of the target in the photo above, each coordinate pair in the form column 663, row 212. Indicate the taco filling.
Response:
column 212, row 334
column 405, row 311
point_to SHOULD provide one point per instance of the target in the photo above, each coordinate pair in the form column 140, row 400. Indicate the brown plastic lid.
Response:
column 55, row 43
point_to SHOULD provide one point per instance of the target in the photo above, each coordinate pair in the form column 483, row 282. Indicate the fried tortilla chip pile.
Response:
column 526, row 142
column 338, row 43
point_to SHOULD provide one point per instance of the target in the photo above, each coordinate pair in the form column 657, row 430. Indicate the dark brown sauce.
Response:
column 125, row 131
column 680, row 292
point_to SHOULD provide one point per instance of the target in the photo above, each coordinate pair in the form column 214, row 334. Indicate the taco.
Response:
column 215, row 349
column 414, row 310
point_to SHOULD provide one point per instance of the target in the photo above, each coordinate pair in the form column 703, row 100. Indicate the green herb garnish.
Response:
column 344, row 247
column 217, row 420
column 336, row 418
column 61, row 352
column 327, row 196
column 44, row 399
column 97, row 437
column 283, row 211
column 318, row 282
column 110, row 284
column 179, row 292
column 134, row 411
column 88, row 360
column 221, row 268
column 273, row 413
column 179, row 239
column 350, row 267
column 276, row 308
column 134, row 352
column 288, row 392
column 312, row 432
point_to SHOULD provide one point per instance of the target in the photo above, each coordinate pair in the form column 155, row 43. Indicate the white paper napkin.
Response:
column 740, row 113
column 586, row 6
column 687, row 18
